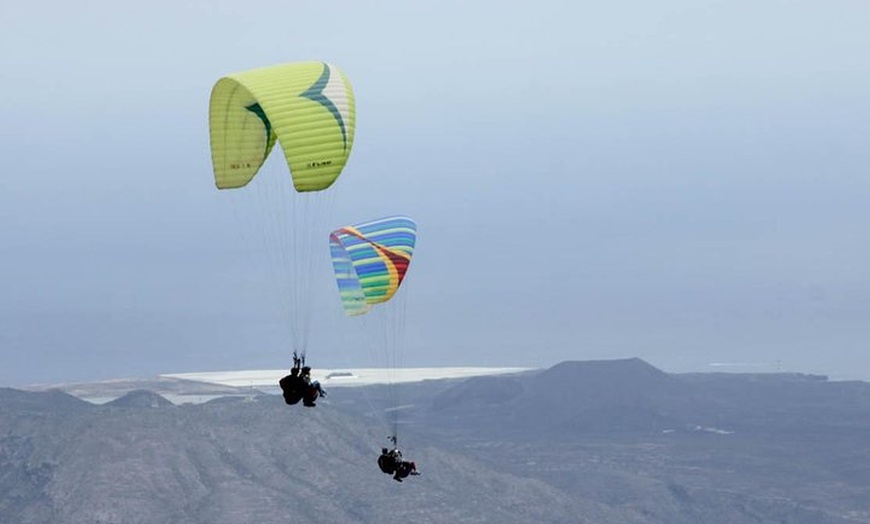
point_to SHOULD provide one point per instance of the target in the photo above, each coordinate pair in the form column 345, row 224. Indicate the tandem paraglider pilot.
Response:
column 298, row 385
column 392, row 463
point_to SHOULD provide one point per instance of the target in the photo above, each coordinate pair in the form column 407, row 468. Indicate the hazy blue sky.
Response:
column 683, row 181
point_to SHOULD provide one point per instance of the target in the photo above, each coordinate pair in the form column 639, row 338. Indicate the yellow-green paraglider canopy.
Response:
column 307, row 107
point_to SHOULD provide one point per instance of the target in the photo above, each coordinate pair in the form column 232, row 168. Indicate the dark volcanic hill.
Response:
column 595, row 396
column 678, row 448
column 139, row 399
column 630, row 396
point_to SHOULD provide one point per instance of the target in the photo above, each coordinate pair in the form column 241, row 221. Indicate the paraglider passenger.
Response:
column 312, row 389
column 405, row 468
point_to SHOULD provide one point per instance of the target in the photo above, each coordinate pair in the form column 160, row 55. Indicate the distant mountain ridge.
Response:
column 181, row 388
column 40, row 401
